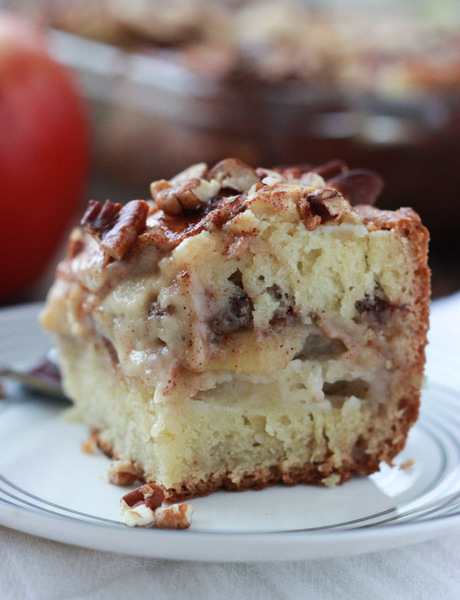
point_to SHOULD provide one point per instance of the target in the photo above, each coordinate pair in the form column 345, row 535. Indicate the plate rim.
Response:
column 239, row 547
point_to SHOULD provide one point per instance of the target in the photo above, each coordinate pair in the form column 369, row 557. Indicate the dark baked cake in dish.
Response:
column 245, row 327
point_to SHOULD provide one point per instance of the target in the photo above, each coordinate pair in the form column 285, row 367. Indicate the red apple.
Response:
column 44, row 154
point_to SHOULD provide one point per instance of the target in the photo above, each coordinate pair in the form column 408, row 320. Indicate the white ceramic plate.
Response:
column 50, row 488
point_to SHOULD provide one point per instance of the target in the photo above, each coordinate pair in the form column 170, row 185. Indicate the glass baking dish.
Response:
column 154, row 116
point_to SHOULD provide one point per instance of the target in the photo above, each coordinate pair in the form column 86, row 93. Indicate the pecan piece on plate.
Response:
column 123, row 472
column 149, row 494
column 177, row 516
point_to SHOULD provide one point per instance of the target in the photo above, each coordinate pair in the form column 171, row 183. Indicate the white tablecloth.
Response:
column 36, row 569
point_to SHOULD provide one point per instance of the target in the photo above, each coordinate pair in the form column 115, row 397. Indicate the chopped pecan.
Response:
column 236, row 315
column 358, row 186
column 143, row 508
column 123, row 472
column 161, row 191
column 76, row 244
column 90, row 446
column 372, row 304
column 301, row 172
column 285, row 310
column 327, row 203
column 184, row 195
column 100, row 218
column 294, row 172
column 407, row 464
column 115, row 226
column 140, row 516
column 234, row 174
column 331, row 169
column 376, row 308
column 271, row 174
column 149, row 494
column 320, row 206
column 227, row 210
column 197, row 171
column 310, row 220
column 177, row 516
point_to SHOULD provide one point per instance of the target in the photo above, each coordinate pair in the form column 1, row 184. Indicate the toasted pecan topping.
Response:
column 184, row 195
column 299, row 172
column 234, row 174
column 320, row 206
column 100, row 218
column 115, row 226
column 198, row 190
column 196, row 171
column 327, row 203
column 358, row 186
column 330, row 169
column 200, row 199
column 169, row 231
column 194, row 188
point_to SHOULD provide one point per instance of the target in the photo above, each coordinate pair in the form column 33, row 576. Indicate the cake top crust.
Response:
column 202, row 198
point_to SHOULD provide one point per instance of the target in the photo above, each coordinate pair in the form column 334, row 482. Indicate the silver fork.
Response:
column 45, row 377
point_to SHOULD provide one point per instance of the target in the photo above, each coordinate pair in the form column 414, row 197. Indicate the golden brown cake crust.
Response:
column 408, row 222
column 363, row 464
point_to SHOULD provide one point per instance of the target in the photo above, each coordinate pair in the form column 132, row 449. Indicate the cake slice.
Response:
column 246, row 327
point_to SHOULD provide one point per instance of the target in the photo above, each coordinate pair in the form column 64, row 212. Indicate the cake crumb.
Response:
column 407, row 464
column 332, row 480
column 90, row 446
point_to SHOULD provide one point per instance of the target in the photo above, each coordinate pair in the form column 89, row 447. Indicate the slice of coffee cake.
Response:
column 245, row 327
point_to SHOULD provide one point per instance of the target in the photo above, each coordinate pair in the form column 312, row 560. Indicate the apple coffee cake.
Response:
column 245, row 327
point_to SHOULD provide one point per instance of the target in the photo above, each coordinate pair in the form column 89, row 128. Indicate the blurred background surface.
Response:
column 167, row 84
